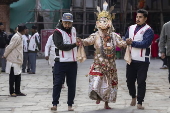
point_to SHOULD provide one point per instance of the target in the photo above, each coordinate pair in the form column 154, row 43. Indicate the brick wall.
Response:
column 4, row 16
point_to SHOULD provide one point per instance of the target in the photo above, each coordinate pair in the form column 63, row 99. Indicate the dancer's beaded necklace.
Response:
column 107, row 47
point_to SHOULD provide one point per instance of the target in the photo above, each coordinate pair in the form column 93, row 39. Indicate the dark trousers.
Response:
column 168, row 59
column 62, row 69
column 165, row 60
column 137, row 71
column 32, row 60
column 25, row 62
column 14, row 79
column 3, row 60
column 54, row 77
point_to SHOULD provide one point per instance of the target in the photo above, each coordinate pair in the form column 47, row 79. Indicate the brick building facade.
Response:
column 4, row 13
column 4, row 16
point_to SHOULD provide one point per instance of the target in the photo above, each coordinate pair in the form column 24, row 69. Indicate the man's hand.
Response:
column 162, row 55
column 129, row 41
column 78, row 41
column 47, row 57
column 3, row 56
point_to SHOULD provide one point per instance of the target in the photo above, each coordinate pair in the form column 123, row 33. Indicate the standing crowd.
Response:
column 61, row 51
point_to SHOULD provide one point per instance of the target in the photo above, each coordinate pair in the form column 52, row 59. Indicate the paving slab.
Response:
column 38, row 88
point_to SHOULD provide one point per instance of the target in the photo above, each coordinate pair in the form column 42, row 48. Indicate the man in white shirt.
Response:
column 50, row 54
column 33, row 48
column 25, row 37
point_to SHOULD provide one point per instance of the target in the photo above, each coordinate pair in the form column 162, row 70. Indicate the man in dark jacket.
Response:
column 12, row 34
column 164, row 42
column 3, row 43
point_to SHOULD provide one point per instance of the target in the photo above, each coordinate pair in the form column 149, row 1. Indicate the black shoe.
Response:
column 21, row 94
column 28, row 70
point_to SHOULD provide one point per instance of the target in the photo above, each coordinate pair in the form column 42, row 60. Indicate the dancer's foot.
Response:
column 54, row 108
column 133, row 102
column 139, row 106
column 106, row 106
column 70, row 108
column 97, row 101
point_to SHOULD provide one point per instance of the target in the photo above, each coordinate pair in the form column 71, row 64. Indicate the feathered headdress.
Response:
column 104, row 12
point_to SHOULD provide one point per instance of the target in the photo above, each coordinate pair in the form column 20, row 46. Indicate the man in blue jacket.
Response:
column 139, row 37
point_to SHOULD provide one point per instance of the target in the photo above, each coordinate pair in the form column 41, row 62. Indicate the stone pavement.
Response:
column 38, row 88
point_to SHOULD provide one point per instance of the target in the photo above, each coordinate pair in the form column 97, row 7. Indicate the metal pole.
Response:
column 84, row 17
column 125, row 13
column 36, row 12
column 161, row 14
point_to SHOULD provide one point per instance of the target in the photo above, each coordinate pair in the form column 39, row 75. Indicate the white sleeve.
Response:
column 48, row 45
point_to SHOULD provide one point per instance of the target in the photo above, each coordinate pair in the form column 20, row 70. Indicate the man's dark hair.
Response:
column 11, row 30
column 34, row 27
column 143, row 11
column 21, row 27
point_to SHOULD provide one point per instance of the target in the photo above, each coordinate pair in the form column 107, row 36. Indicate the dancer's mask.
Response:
column 104, row 17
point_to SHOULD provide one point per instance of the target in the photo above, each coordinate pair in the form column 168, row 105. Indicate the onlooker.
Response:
column 118, row 49
column 165, row 42
column 26, row 63
column 154, row 46
column 64, row 39
column 12, row 34
column 140, row 38
column 118, row 52
column 50, row 55
column 3, row 44
column 33, row 47
column 164, row 60
column 141, row 4
column 14, row 55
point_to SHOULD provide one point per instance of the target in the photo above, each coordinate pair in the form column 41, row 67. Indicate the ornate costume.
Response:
column 103, row 78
